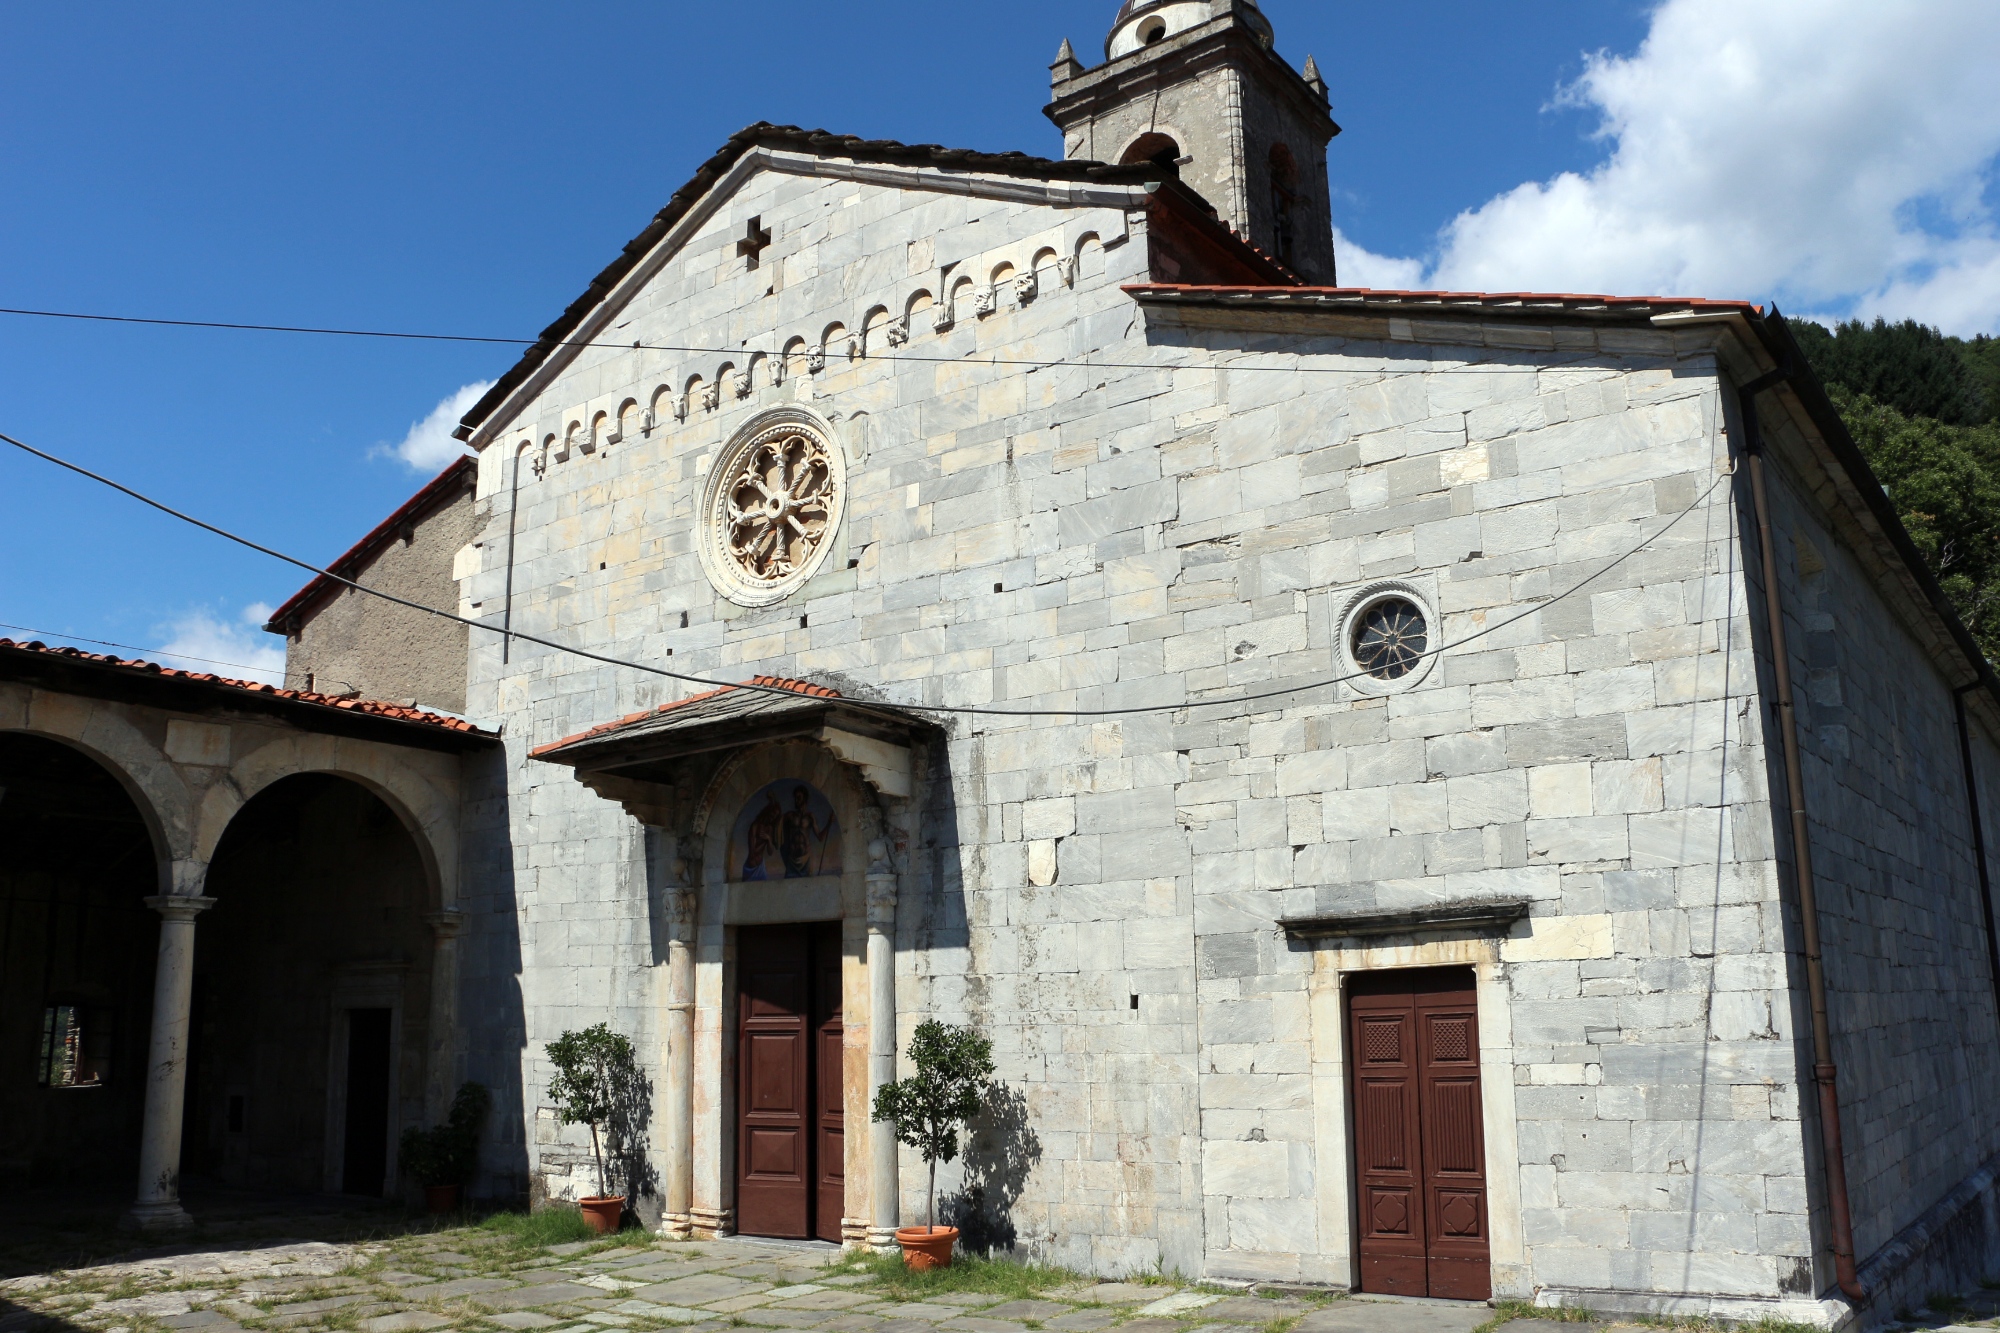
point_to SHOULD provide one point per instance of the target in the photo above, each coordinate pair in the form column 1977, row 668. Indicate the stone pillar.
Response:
column 884, row 1209
column 678, row 1224
column 158, row 1207
column 441, row 1024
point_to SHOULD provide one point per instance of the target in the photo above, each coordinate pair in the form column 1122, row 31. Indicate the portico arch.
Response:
column 110, row 739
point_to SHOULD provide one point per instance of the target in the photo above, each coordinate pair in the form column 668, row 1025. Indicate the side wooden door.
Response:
column 774, row 1086
column 1419, row 1134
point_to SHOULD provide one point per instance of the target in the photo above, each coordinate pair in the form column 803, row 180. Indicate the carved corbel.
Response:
column 1027, row 287
column 711, row 396
column 815, row 360
column 1066, row 270
column 887, row 768
column 985, row 301
column 942, row 319
column 898, row 333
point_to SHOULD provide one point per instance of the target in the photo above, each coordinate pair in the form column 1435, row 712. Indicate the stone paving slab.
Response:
column 818, row 1298
column 1398, row 1317
column 1226, row 1328
column 198, row 1319
column 1042, row 1310
column 405, row 1321
column 522, row 1319
column 1083, row 1321
column 1181, row 1302
column 1119, row 1293
column 464, row 1286
column 980, row 1324
column 932, row 1312
column 767, row 1317
column 548, row 1293
column 1253, row 1309
column 700, row 1289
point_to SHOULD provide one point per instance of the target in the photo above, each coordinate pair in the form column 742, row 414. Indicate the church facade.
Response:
column 1442, row 794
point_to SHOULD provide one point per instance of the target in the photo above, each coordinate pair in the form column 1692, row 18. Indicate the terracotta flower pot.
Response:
column 926, row 1247
column 603, row 1214
column 441, row 1199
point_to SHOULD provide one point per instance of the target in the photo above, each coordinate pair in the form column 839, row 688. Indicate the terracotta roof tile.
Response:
column 801, row 687
column 371, row 707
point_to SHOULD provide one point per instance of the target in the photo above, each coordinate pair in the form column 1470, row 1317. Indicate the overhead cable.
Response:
column 880, row 706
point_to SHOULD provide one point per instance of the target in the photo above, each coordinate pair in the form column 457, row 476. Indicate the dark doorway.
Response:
column 1419, row 1134
column 365, row 1143
column 789, row 1140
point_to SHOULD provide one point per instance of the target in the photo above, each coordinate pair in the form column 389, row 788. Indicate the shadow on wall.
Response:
column 493, row 1027
column 627, row 1155
column 1001, row 1151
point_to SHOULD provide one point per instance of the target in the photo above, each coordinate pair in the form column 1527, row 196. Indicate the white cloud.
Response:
column 203, row 641
column 1831, row 154
column 429, row 446
column 1365, row 268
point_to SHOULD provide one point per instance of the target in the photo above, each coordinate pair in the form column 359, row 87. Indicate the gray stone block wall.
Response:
column 1910, row 992
column 1161, row 536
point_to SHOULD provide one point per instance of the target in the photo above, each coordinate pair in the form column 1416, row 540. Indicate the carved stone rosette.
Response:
column 772, row 507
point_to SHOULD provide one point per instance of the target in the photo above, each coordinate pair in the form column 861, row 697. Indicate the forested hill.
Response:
column 1925, row 409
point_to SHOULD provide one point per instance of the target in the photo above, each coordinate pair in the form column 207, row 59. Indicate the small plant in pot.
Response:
column 954, row 1069
column 445, row 1158
column 595, row 1069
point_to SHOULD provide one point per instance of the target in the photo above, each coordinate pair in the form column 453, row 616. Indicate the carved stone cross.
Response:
column 755, row 238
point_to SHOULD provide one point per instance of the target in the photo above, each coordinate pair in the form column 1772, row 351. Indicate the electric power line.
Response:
column 639, row 345
column 890, row 708
column 133, row 647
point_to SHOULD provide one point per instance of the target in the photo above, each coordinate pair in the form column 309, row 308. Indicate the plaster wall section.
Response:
column 354, row 643
column 1910, row 991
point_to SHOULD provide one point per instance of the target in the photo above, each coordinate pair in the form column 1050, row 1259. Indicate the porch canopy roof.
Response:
column 646, row 745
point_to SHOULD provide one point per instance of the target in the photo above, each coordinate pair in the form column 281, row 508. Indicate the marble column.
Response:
column 441, row 1023
column 678, row 1224
column 884, row 1208
column 158, row 1207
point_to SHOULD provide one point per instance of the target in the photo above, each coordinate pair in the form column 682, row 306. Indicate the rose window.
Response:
column 1390, row 638
column 774, row 504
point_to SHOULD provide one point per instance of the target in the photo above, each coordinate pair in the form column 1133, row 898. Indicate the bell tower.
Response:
column 1196, row 84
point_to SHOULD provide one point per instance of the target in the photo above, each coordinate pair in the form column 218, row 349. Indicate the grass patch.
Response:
column 1510, row 1310
column 534, row 1231
column 993, row 1277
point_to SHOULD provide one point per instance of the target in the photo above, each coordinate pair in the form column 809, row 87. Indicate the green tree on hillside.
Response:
column 1914, row 369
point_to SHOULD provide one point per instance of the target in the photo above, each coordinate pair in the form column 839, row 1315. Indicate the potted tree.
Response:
column 594, row 1069
column 954, row 1066
column 444, row 1158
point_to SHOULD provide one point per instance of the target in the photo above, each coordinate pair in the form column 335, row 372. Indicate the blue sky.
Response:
column 468, row 168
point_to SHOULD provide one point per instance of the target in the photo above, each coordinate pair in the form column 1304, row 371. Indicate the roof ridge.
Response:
column 804, row 687
column 140, row 666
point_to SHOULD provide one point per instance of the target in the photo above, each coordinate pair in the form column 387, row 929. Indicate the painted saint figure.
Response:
column 762, row 839
column 800, row 833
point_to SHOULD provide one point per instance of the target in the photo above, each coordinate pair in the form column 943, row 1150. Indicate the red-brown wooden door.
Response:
column 788, row 1032
column 1419, row 1134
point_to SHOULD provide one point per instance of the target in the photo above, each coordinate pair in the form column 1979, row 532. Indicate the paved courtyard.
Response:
column 479, row 1281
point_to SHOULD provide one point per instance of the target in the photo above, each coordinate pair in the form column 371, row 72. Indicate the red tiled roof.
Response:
column 800, row 687
column 1382, row 297
column 436, row 492
column 370, row 707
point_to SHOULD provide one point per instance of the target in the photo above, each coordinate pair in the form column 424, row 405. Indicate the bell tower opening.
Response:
column 1198, row 86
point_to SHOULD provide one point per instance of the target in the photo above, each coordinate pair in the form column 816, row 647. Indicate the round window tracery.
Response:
column 773, row 504
column 1391, row 636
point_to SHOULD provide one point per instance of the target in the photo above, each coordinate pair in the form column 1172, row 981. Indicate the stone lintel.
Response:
column 1493, row 915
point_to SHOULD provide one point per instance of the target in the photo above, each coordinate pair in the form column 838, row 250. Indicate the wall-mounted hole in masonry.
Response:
column 600, row 566
column 1135, row 1002
column 999, row 587
column 802, row 622
column 854, row 564
column 684, row 620
column 670, row 652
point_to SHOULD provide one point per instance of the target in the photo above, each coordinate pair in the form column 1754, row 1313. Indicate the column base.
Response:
column 713, row 1223
column 677, row 1226
column 882, row 1240
column 166, row 1216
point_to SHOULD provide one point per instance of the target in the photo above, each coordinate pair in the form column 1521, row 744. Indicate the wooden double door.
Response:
column 1419, row 1134
column 790, row 1177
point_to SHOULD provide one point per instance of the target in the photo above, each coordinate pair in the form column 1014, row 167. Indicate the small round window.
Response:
column 1391, row 638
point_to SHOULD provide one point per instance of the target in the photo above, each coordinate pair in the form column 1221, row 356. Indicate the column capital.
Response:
column 882, row 902
column 179, row 906
column 448, row 924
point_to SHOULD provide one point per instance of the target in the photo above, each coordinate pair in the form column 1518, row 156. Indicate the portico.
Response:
column 775, row 805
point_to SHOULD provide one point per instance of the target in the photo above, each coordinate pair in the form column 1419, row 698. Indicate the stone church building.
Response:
column 1469, row 795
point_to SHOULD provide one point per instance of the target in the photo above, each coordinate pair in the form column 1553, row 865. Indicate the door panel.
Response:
column 1387, row 1145
column 364, row 1161
column 1420, row 1154
column 829, row 1109
column 1454, row 1136
column 774, row 1149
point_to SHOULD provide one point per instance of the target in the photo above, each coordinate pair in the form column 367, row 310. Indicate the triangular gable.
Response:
column 1223, row 255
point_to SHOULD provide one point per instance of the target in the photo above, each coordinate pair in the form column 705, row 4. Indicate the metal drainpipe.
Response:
column 1824, row 1072
column 1978, row 837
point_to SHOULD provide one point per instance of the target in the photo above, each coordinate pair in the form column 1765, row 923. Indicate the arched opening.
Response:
column 1156, row 148
column 1152, row 30
column 1284, row 200
column 77, row 944
column 311, row 994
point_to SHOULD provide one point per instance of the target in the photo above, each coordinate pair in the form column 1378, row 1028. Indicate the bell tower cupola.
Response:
column 1199, row 86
